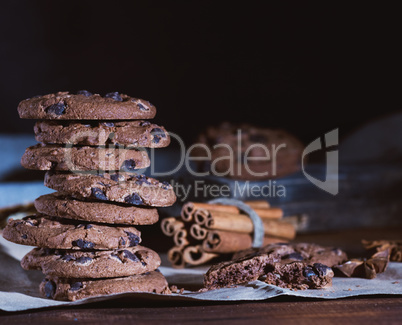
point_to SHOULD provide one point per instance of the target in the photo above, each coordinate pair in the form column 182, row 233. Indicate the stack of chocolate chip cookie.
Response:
column 92, row 148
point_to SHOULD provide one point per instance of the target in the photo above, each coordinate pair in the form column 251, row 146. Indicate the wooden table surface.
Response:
column 280, row 310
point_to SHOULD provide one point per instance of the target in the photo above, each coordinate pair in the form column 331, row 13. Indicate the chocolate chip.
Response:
column 308, row 272
column 133, row 239
column 122, row 241
column 83, row 259
column 56, row 109
column 142, row 107
column 141, row 179
column 50, row 289
column 157, row 134
column 76, row 286
column 83, row 244
column 68, row 258
column 115, row 95
column 128, row 165
column 88, row 226
column 133, row 199
column 114, row 177
column 293, row 256
column 145, row 123
column 165, row 185
column 84, row 92
column 109, row 124
column 320, row 269
column 131, row 256
column 24, row 236
column 98, row 193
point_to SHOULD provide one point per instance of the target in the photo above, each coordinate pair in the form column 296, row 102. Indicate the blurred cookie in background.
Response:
column 247, row 152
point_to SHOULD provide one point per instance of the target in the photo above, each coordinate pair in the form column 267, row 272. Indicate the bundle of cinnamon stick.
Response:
column 204, row 231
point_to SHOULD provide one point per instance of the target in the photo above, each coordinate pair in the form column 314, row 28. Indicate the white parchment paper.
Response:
column 19, row 288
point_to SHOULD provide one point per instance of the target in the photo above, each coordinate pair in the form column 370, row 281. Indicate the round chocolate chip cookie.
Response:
column 58, row 233
column 127, row 133
column 75, row 289
column 92, row 264
column 129, row 188
column 86, row 106
column 53, row 157
column 247, row 152
column 113, row 213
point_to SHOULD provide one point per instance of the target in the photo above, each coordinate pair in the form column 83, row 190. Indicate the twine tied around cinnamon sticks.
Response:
column 258, row 231
column 223, row 226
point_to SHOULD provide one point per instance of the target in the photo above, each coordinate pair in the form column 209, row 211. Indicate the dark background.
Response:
column 303, row 67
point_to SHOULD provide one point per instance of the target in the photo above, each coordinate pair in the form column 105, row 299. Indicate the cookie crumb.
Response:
column 175, row 289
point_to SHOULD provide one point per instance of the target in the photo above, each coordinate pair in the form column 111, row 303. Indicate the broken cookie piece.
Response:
column 296, row 266
column 299, row 275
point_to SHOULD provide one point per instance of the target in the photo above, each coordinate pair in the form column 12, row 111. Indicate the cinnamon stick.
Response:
column 180, row 238
column 243, row 224
column 224, row 242
column 200, row 216
column 187, row 211
column 198, row 232
column 171, row 225
column 269, row 213
column 175, row 257
column 258, row 204
column 190, row 208
column 194, row 255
